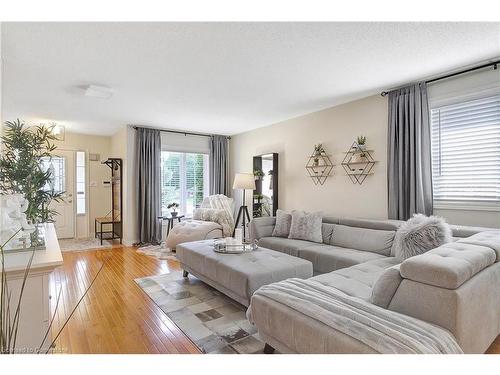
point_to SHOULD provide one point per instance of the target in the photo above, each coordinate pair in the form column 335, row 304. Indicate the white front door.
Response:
column 63, row 167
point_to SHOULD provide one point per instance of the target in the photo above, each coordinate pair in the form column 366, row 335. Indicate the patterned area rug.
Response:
column 72, row 244
column 157, row 251
column 214, row 322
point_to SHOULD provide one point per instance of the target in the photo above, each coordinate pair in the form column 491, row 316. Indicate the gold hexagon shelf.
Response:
column 358, row 164
column 319, row 167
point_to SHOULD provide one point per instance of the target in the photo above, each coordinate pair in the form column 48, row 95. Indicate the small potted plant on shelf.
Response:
column 361, row 147
column 361, row 142
column 173, row 206
column 318, row 151
column 258, row 174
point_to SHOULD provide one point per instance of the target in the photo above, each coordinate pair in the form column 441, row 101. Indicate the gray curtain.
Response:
column 148, row 152
column 219, row 165
column 409, row 153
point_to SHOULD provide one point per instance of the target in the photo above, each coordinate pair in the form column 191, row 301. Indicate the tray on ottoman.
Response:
column 240, row 275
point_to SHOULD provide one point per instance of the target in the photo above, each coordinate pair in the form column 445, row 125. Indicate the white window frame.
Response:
column 85, row 183
column 455, row 99
column 182, row 171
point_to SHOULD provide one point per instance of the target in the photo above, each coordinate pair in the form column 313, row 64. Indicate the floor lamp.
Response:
column 243, row 181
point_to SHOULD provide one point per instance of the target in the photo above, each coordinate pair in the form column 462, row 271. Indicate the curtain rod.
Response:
column 493, row 63
column 177, row 132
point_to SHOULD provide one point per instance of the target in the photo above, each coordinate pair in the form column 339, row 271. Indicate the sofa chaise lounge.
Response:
column 455, row 286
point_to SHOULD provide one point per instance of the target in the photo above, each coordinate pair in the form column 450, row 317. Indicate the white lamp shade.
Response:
column 244, row 181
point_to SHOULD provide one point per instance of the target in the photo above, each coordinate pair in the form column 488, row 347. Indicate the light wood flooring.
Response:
column 116, row 316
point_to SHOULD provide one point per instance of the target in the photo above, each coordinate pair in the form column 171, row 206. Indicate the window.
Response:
column 57, row 167
column 80, row 183
column 466, row 153
column 184, row 180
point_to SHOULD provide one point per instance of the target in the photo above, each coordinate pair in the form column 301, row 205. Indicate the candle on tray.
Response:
column 238, row 235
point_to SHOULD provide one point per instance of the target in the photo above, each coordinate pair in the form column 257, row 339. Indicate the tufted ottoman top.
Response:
column 244, row 273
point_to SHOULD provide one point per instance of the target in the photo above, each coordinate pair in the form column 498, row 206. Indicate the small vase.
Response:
column 316, row 162
column 173, row 213
column 362, row 147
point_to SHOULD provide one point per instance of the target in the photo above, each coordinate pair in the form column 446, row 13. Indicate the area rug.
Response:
column 73, row 244
column 157, row 251
column 212, row 321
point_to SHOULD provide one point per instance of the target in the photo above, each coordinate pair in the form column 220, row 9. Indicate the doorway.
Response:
column 63, row 171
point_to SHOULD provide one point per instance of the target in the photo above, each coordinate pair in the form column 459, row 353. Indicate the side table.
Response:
column 170, row 221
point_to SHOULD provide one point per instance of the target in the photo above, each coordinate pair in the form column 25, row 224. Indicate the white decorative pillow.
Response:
column 283, row 222
column 306, row 226
column 420, row 234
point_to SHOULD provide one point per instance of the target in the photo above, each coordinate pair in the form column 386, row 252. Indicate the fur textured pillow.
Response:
column 306, row 226
column 283, row 223
column 420, row 234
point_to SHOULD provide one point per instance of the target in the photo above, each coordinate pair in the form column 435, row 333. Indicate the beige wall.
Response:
column 122, row 146
column 336, row 128
column 98, row 196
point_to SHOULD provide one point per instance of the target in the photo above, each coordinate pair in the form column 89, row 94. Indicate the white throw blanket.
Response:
column 217, row 208
column 383, row 330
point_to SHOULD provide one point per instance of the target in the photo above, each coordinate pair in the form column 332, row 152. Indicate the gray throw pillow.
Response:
column 283, row 222
column 306, row 226
column 420, row 234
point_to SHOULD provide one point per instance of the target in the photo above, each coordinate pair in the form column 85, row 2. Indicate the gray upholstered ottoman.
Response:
column 239, row 275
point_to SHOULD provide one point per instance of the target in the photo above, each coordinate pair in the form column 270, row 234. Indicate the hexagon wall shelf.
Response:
column 358, row 164
column 319, row 168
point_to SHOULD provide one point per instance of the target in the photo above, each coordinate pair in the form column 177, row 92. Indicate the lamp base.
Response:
column 243, row 215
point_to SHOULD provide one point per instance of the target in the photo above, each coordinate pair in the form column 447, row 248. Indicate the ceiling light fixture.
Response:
column 96, row 91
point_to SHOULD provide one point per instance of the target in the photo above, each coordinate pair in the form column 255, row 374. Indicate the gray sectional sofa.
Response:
column 455, row 286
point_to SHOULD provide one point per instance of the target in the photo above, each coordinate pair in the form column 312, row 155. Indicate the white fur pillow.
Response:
column 306, row 226
column 283, row 223
column 420, row 234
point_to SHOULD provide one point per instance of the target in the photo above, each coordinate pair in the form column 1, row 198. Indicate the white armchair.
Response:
column 214, row 219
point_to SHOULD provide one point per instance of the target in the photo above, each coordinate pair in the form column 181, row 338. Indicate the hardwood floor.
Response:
column 116, row 316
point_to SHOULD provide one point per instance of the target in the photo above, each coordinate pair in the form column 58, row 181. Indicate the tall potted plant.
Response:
column 21, row 168
column 22, row 172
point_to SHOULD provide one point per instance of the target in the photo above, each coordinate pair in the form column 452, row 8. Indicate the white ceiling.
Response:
column 219, row 77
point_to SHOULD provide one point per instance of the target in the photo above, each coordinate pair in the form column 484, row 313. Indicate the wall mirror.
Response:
column 265, row 195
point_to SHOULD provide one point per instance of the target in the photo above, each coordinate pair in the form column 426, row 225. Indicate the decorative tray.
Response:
column 220, row 246
column 28, row 242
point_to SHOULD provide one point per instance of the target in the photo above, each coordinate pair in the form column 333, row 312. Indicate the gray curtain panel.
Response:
column 409, row 153
column 148, row 152
column 219, row 165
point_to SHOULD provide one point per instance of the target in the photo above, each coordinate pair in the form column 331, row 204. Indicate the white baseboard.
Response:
column 128, row 242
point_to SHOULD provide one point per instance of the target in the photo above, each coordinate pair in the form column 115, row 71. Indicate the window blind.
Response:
column 184, row 180
column 466, row 151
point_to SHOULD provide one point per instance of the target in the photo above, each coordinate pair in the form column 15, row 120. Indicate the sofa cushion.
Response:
column 449, row 265
column 420, row 234
column 357, row 281
column 327, row 258
column 283, row 223
column 262, row 227
column 462, row 231
column 489, row 239
column 327, row 232
column 385, row 286
column 373, row 240
column 285, row 245
column 371, row 224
